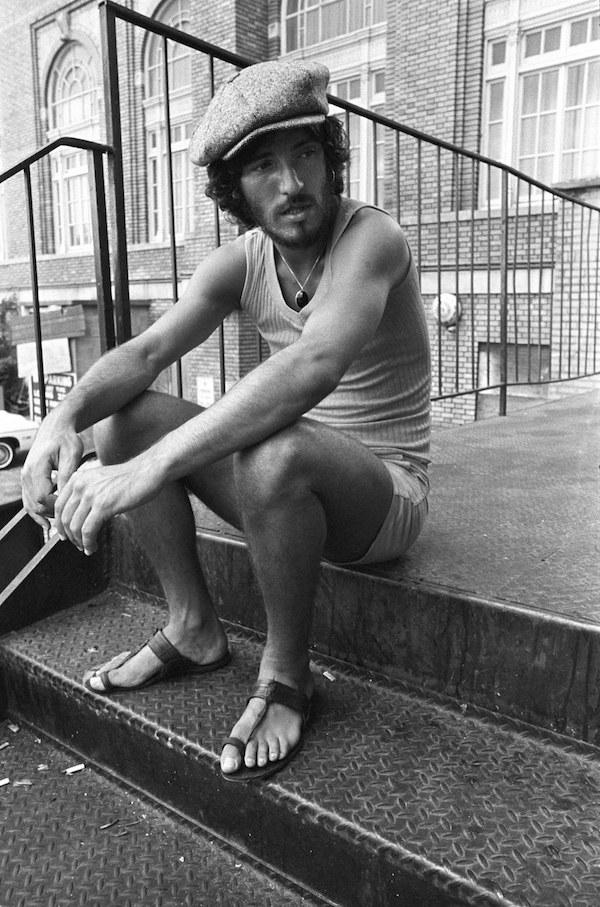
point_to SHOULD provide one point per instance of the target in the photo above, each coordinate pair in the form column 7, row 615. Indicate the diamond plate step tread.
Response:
column 513, row 816
column 81, row 839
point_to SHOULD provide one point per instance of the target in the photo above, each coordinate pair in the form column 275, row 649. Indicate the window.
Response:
column 72, row 104
column 542, row 100
column 179, row 69
column 308, row 22
column 366, row 170
column 158, row 200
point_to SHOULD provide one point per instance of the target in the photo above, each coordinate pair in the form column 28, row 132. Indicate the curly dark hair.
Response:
column 224, row 176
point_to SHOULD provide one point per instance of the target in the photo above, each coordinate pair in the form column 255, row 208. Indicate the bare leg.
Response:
column 305, row 492
column 165, row 528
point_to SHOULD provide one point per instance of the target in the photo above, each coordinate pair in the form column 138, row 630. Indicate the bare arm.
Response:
column 370, row 258
column 123, row 373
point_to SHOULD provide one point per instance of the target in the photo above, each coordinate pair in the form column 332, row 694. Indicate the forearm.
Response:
column 271, row 397
column 114, row 380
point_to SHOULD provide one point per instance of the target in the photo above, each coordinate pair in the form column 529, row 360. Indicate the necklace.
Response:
column 301, row 296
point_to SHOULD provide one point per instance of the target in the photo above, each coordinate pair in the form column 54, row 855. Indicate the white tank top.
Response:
column 383, row 399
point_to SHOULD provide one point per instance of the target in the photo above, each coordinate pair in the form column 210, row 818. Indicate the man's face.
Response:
column 285, row 183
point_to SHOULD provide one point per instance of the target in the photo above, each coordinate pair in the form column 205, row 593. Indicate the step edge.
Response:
column 444, row 880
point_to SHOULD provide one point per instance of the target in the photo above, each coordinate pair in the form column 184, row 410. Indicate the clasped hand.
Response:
column 95, row 494
column 85, row 497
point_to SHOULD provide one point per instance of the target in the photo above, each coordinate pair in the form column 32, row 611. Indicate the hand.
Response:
column 52, row 460
column 94, row 494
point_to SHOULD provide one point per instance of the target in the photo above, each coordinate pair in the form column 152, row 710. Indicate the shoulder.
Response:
column 374, row 239
column 223, row 270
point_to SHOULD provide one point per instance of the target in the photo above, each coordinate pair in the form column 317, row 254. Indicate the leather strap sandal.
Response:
column 173, row 664
column 270, row 692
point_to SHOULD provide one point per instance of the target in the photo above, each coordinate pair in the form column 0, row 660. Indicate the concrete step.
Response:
column 536, row 666
column 79, row 838
column 394, row 798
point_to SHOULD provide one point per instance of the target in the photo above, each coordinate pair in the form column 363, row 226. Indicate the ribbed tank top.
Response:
column 383, row 398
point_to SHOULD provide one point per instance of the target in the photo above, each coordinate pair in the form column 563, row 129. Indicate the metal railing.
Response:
column 518, row 260
column 96, row 153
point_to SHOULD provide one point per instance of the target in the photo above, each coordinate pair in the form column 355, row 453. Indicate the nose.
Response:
column 289, row 180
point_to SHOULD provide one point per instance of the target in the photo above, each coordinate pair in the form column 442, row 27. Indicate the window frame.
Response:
column 513, row 72
column 69, row 186
column 176, row 13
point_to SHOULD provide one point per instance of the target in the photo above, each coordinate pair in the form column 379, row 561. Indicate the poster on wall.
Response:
column 58, row 384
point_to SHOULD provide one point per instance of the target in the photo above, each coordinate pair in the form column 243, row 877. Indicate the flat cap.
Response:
column 261, row 98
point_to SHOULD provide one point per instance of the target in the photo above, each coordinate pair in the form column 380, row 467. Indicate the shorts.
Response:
column 405, row 518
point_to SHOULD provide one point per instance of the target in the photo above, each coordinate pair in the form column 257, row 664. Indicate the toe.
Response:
column 250, row 754
column 231, row 759
column 114, row 662
column 262, row 753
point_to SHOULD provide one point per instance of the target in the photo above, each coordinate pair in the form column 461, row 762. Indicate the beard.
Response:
column 322, row 209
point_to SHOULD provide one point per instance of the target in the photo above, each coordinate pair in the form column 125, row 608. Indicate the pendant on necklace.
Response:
column 301, row 298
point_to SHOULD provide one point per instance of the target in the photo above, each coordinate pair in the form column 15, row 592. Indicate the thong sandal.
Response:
column 174, row 664
column 271, row 692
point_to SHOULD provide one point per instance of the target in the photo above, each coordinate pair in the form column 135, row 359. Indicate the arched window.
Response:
column 72, row 105
column 179, row 68
column 308, row 22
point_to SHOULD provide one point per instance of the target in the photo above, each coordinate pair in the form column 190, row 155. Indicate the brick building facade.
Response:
column 463, row 72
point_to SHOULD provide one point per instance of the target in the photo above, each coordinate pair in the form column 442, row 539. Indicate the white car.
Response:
column 16, row 433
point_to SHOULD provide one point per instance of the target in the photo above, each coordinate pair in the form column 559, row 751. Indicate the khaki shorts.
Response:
column 405, row 518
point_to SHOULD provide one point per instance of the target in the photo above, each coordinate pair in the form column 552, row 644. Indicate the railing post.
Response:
column 106, row 321
column 115, row 171
column 503, row 295
column 35, row 292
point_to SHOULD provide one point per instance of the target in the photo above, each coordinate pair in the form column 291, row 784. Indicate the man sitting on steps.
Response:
column 319, row 452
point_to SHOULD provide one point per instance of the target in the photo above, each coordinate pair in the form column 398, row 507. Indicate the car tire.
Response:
column 7, row 454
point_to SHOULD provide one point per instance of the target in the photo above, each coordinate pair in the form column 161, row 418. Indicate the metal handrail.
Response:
column 95, row 151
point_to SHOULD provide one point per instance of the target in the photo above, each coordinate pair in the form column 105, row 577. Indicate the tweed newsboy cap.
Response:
column 264, row 97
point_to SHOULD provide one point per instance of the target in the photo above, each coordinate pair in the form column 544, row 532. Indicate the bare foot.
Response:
column 127, row 670
column 268, row 738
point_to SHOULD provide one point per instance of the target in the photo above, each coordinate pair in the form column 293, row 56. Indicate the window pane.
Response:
column 595, row 36
column 495, row 140
column 579, row 32
column 549, row 87
column 571, row 130
column 291, row 34
column 593, row 88
column 592, row 123
column 530, row 93
column 333, row 20
column 528, row 134
column 547, row 133
column 551, row 39
column 533, row 43
column 591, row 163
column 355, row 90
column 496, row 100
column 379, row 82
column 379, row 11
column 544, row 169
column 356, row 15
column 575, row 85
column 498, row 52
column 312, row 27
column 568, row 165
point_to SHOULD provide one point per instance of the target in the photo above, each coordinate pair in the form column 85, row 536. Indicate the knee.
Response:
column 275, row 469
column 116, row 438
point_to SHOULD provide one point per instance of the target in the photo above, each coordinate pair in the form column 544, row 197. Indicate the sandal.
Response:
column 273, row 691
column 174, row 664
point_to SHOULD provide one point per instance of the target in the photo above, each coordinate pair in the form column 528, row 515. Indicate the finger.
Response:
column 65, row 508
column 68, row 462
column 90, row 529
